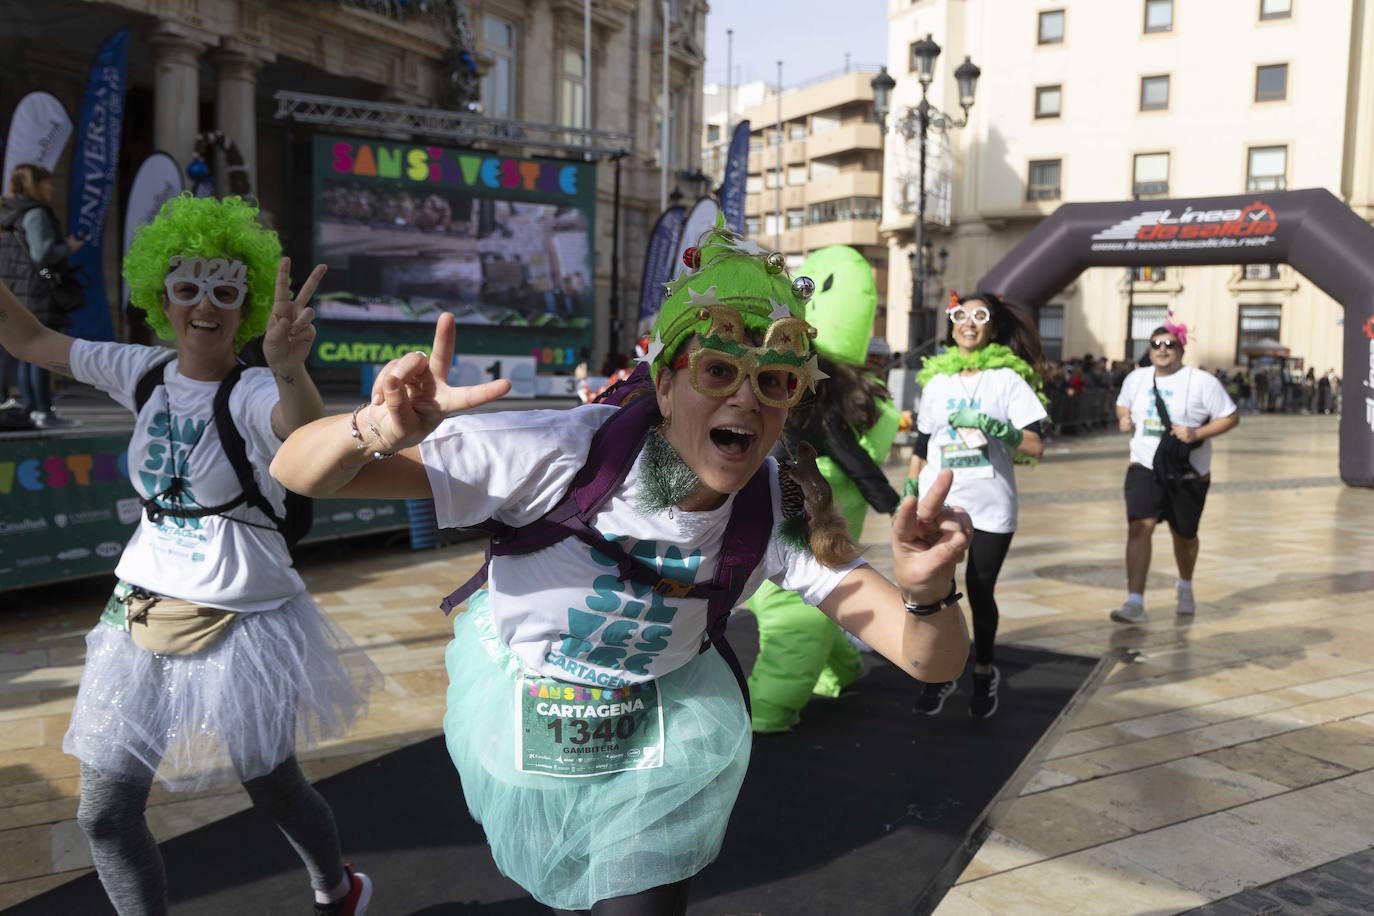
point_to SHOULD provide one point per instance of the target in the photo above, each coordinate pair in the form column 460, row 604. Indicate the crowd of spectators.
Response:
column 1082, row 391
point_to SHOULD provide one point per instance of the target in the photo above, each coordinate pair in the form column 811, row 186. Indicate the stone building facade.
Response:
column 197, row 65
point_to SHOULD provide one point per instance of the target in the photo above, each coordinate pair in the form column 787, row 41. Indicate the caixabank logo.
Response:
column 1251, row 225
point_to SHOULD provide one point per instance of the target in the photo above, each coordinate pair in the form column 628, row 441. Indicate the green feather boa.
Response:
column 993, row 356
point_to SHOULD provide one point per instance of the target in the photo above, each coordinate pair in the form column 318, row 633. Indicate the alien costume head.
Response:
column 844, row 304
column 733, row 293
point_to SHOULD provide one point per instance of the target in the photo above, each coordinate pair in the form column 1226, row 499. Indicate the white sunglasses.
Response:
column 980, row 315
column 190, row 279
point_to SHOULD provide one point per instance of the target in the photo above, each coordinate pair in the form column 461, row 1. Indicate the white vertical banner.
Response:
column 157, row 181
column 701, row 217
column 38, row 134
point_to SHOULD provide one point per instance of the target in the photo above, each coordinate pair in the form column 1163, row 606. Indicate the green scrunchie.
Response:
column 912, row 487
column 997, row 429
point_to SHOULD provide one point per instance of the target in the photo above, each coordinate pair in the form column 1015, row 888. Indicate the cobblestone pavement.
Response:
column 1233, row 754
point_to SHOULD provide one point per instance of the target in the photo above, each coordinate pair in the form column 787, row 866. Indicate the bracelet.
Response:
column 925, row 610
column 377, row 454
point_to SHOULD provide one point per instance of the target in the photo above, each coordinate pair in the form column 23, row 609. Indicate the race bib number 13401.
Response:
column 571, row 730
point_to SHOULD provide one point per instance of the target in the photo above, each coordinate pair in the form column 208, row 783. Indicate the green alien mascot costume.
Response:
column 851, row 424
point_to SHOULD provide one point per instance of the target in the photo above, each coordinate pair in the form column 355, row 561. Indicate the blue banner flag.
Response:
column 94, row 161
column 736, row 170
column 659, row 257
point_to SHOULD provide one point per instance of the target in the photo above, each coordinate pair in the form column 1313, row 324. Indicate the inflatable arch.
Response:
column 1311, row 230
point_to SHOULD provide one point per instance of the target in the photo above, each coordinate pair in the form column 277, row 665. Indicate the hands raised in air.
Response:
column 411, row 395
column 291, row 327
column 928, row 541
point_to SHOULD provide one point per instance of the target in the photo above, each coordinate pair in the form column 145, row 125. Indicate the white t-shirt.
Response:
column 1193, row 399
column 984, row 479
column 562, row 610
column 212, row 560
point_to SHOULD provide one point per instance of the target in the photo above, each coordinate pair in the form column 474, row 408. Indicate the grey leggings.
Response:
column 111, row 814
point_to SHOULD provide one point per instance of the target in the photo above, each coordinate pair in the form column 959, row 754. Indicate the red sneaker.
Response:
column 355, row 902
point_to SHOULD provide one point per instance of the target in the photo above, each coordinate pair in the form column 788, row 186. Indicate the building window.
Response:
column 752, row 225
column 572, row 89
column 1256, row 323
column 796, row 131
column 821, row 169
column 771, row 225
column 849, row 208
column 1276, row 9
column 755, row 143
column 712, row 133
column 771, row 179
column 824, row 124
column 1268, row 169
column 1050, row 323
column 1047, row 101
column 1154, row 93
column 1261, row 272
column 1051, row 31
column 774, row 137
column 796, row 218
column 1271, row 83
column 1147, row 274
column 1150, row 175
column 1043, row 180
column 1144, row 319
column 796, row 174
column 753, row 184
column 498, row 86
column 1159, row 15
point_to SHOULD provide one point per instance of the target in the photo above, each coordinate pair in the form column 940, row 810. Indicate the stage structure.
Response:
column 1310, row 230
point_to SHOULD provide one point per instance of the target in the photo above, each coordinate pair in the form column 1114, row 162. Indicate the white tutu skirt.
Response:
column 572, row 842
column 276, row 682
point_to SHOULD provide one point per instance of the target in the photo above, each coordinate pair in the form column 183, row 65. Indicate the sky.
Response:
column 810, row 37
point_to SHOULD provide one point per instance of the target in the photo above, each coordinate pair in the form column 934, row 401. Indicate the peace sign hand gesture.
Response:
column 290, row 328
column 928, row 541
column 411, row 395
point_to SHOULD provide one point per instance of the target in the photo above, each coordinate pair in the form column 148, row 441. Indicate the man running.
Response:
column 1196, row 409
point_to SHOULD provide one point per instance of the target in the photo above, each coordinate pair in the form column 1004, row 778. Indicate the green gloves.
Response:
column 997, row 429
column 911, row 488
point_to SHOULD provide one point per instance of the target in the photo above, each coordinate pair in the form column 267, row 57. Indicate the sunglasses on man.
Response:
column 1165, row 344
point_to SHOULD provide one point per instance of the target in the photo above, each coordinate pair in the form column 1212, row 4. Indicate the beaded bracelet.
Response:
column 377, row 454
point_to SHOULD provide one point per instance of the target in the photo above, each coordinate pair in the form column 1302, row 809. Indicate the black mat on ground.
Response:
column 855, row 812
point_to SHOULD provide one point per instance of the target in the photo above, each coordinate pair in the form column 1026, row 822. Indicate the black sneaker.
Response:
column 933, row 696
column 983, row 703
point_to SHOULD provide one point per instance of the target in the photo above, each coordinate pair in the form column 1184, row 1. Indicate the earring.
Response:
column 663, row 426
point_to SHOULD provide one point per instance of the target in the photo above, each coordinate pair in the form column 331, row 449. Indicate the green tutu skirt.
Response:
column 572, row 842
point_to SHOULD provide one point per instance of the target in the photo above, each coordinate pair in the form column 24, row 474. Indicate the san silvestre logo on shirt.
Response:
column 167, row 457
column 616, row 629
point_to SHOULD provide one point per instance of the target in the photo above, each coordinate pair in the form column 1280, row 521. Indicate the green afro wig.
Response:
column 730, row 271
column 210, row 228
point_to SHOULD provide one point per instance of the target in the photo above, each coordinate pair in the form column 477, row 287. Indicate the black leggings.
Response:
column 665, row 900
column 985, row 556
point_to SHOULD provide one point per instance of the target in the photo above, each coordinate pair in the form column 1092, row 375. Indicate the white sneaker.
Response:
column 1187, row 606
column 46, row 419
column 1130, row 612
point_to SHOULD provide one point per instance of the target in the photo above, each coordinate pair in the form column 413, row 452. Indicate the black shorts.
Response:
column 1179, row 505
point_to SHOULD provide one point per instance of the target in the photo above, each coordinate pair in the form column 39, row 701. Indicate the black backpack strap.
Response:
column 149, row 381
column 236, row 450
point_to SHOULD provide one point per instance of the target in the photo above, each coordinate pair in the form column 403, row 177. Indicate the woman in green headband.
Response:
column 599, row 734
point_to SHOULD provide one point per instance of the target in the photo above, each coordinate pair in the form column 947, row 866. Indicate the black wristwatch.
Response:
column 925, row 610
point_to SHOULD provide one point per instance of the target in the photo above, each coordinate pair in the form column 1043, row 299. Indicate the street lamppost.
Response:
column 915, row 124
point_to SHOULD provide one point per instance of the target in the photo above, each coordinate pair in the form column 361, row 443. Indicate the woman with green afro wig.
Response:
column 210, row 228
column 210, row 661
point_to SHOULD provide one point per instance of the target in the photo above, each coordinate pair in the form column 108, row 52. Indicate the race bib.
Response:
column 571, row 730
column 116, row 609
column 966, row 463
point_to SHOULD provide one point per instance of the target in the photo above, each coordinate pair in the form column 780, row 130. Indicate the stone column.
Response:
column 236, row 71
column 176, row 97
